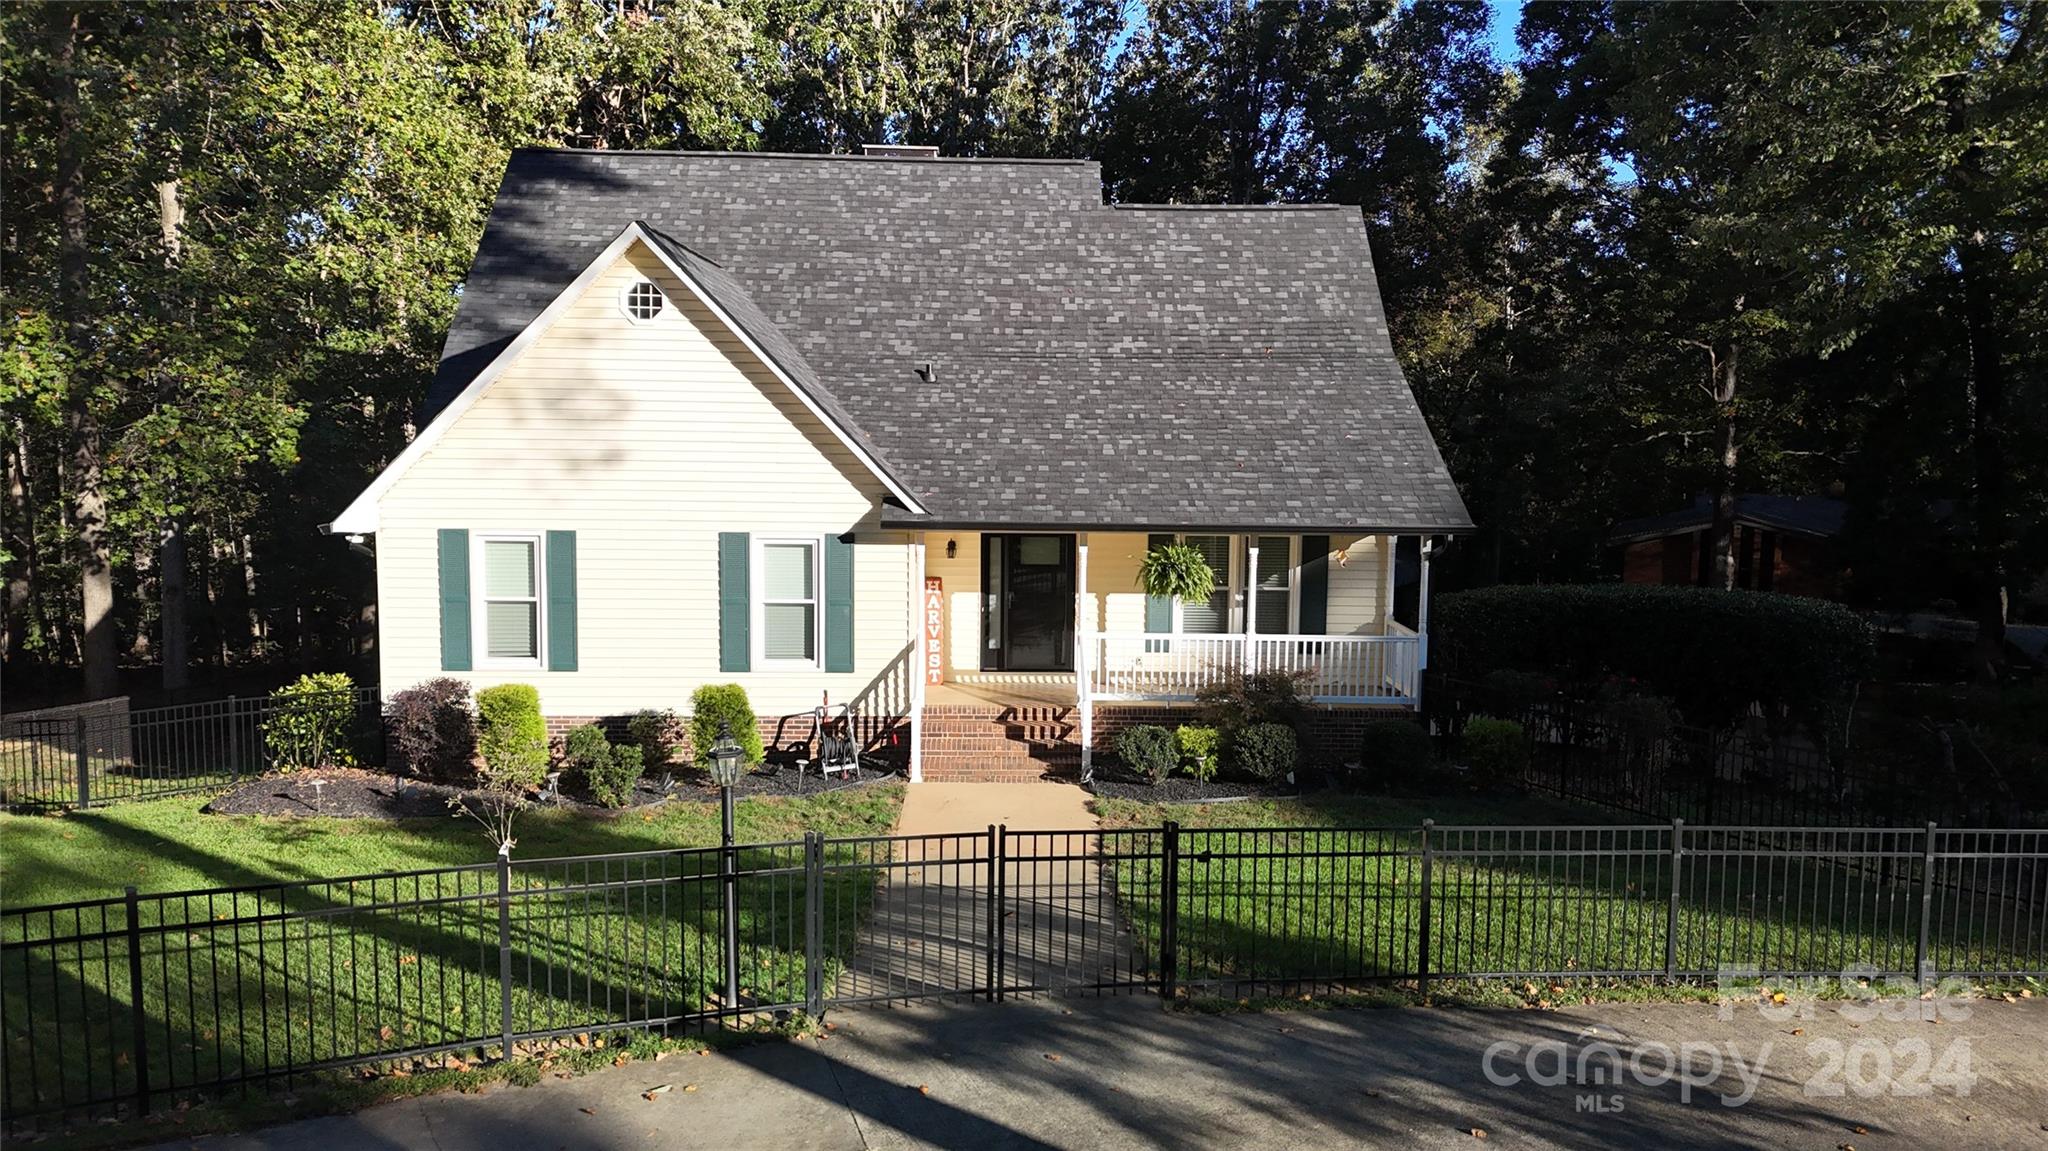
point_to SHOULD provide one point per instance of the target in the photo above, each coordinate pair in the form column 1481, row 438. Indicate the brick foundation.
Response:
column 785, row 738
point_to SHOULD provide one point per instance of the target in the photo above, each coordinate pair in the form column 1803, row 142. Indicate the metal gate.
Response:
column 999, row 912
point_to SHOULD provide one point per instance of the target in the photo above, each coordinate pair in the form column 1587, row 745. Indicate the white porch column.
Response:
column 1422, row 619
column 1251, row 600
column 917, row 656
column 1387, row 549
column 1084, row 649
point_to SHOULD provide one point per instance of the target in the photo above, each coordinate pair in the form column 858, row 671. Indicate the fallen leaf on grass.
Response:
column 1053, row 1057
column 621, row 1061
column 1858, row 1131
column 923, row 1090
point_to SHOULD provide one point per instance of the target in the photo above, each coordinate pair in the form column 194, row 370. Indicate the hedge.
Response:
column 1712, row 652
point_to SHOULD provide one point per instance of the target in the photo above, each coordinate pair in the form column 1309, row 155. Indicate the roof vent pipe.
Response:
column 902, row 151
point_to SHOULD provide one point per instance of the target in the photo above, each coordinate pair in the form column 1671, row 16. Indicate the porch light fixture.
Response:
column 952, row 548
column 725, row 758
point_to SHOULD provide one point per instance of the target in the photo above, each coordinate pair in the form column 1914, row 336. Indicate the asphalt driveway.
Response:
column 1123, row 1073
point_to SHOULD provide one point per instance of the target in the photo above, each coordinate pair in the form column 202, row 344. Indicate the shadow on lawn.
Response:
column 256, row 982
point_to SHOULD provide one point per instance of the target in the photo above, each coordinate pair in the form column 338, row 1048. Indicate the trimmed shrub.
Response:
column 716, row 703
column 1711, row 652
column 1148, row 750
column 435, row 729
column 512, row 735
column 584, row 746
column 309, row 726
column 608, row 772
column 1497, row 749
column 1264, row 751
column 1198, row 747
column 655, row 733
column 1238, row 700
column 611, row 781
column 1394, row 751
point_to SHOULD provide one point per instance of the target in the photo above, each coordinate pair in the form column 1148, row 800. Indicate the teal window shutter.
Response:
column 838, row 603
column 561, row 588
column 735, row 603
column 1315, row 585
column 1158, row 608
column 455, row 625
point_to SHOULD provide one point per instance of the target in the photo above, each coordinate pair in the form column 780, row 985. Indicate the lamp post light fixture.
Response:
column 725, row 772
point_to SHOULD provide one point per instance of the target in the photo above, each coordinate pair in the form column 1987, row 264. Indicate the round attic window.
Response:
column 643, row 301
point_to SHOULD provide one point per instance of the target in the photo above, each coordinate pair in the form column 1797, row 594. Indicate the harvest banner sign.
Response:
column 934, row 631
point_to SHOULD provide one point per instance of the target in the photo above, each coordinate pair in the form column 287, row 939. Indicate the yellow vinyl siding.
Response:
column 646, row 439
column 1357, row 586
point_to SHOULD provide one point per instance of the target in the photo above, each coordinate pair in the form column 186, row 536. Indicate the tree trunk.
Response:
column 1723, row 535
column 174, row 653
column 1987, row 391
column 97, row 646
column 1987, row 454
column 21, row 580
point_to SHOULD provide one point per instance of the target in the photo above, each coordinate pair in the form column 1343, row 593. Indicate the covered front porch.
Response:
column 1013, row 619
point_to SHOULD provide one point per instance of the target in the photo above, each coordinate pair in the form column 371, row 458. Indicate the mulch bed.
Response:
column 1115, row 783
column 779, row 781
column 355, row 793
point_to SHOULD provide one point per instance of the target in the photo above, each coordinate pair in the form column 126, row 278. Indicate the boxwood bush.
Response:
column 716, row 703
column 1497, row 749
column 512, row 735
column 1264, row 751
column 1711, row 652
column 1148, row 750
column 609, row 772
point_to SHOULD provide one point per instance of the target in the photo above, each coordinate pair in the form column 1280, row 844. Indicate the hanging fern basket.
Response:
column 1178, row 571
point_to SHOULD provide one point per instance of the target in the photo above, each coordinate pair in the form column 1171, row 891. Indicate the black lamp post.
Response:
column 725, row 771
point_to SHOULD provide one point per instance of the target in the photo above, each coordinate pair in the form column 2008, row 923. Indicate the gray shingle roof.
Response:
column 1093, row 365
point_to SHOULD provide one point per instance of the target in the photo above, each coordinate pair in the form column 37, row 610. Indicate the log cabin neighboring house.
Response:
column 1782, row 543
column 898, row 430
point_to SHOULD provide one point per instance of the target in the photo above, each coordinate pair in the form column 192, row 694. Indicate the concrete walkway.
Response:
column 1122, row 1073
column 939, row 808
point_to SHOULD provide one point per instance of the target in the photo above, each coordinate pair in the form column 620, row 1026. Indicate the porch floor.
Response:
column 1004, row 689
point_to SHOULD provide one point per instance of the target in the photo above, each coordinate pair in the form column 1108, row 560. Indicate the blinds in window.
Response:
column 511, row 607
column 789, row 619
column 1212, row 616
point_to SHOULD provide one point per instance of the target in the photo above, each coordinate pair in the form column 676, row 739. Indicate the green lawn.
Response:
column 169, row 845
column 237, row 985
column 1326, row 890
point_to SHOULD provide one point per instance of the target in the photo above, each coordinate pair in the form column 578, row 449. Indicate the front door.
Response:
column 1027, row 602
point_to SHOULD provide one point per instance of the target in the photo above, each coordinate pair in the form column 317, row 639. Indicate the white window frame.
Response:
column 757, row 623
column 480, row 602
column 626, row 300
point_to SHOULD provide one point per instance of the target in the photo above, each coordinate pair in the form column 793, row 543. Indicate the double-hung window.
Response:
column 510, row 606
column 788, row 597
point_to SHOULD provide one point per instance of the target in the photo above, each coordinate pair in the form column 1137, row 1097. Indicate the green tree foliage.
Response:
column 1666, row 250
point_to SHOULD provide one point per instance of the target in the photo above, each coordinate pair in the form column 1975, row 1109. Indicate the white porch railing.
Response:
column 1349, row 669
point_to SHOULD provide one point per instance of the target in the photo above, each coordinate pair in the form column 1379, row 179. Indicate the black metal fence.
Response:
column 112, row 1006
column 1636, row 761
column 92, row 758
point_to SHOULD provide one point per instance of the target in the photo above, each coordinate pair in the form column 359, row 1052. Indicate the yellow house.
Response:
column 894, row 432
